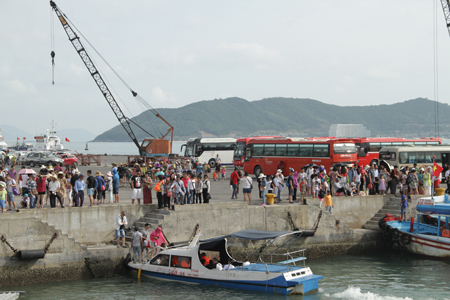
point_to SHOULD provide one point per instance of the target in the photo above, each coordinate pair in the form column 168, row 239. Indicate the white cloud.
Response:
column 382, row 73
column 20, row 87
column 252, row 50
column 158, row 94
column 78, row 70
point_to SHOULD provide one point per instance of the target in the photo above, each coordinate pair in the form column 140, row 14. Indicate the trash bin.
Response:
column 270, row 198
column 440, row 191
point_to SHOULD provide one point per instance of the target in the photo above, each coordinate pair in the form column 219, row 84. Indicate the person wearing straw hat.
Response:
column 62, row 190
column 53, row 188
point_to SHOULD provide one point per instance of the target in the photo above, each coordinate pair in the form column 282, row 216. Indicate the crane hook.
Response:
column 52, row 54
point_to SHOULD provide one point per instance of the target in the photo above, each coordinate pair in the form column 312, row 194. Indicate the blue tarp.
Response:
column 440, row 209
column 252, row 235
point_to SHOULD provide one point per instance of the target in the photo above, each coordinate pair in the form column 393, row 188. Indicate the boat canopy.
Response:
column 434, row 209
column 252, row 235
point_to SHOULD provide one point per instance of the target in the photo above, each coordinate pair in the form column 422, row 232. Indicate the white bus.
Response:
column 206, row 150
column 408, row 155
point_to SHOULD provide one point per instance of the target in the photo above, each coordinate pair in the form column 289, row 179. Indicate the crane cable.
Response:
column 136, row 95
column 52, row 43
column 435, row 70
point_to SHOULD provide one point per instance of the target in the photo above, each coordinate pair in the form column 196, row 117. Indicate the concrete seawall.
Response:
column 83, row 247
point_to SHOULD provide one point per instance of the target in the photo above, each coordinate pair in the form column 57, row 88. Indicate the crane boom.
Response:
column 75, row 40
column 446, row 9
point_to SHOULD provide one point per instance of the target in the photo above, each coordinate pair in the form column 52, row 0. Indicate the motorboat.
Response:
column 277, row 269
column 428, row 234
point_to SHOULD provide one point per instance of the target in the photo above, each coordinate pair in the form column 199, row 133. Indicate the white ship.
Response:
column 49, row 141
column 3, row 145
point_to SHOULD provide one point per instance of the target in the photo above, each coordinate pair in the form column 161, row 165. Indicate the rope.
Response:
column 436, row 70
column 55, row 235
column 9, row 245
column 52, row 43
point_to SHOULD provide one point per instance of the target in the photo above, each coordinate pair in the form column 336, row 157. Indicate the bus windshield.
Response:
column 239, row 150
column 344, row 148
column 189, row 150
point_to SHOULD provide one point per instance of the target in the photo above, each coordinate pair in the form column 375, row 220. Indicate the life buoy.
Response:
column 395, row 233
column 405, row 239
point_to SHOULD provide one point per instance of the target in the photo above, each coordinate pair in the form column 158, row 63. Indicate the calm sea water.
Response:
column 371, row 277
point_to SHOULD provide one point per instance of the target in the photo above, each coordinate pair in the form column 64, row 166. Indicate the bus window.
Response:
column 258, row 149
column 397, row 144
column 374, row 147
column 432, row 143
column 389, row 156
column 438, row 158
column 412, row 157
column 269, row 149
column 385, row 145
column 408, row 143
column 420, row 143
column 306, row 150
column 280, row 150
column 403, row 157
column 428, row 157
column 292, row 150
column 322, row 150
column 340, row 148
column 420, row 159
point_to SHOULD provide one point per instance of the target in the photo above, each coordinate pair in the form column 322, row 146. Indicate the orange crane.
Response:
column 150, row 146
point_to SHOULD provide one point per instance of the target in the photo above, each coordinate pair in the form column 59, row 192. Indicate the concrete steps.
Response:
column 155, row 219
column 391, row 207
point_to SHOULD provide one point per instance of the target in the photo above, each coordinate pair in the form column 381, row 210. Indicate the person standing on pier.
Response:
column 234, row 183
column 116, row 183
column 91, row 183
column 53, row 188
column 79, row 187
column 136, row 183
column 121, row 221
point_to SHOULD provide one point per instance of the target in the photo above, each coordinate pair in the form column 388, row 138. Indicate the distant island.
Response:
column 236, row 117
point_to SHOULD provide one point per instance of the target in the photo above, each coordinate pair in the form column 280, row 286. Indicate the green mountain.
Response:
column 236, row 117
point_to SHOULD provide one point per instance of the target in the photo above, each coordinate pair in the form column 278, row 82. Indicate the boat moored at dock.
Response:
column 428, row 234
column 267, row 274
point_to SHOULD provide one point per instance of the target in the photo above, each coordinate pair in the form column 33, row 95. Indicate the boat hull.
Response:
column 429, row 246
column 309, row 284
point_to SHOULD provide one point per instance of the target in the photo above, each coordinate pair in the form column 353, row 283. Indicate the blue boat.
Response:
column 275, row 271
column 428, row 234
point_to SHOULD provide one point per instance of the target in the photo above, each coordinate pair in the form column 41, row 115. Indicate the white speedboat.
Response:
column 428, row 234
column 272, row 272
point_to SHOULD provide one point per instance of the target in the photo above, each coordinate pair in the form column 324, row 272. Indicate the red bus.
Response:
column 369, row 148
column 266, row 155
column 239, row 150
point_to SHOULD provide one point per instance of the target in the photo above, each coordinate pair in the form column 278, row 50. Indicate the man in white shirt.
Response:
column 121, row 221
column 228, row 266
column 218, row 160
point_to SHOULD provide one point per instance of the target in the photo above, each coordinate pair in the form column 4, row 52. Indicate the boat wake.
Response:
column 354, row 292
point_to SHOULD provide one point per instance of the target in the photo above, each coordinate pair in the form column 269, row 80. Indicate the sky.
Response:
column 178, row 52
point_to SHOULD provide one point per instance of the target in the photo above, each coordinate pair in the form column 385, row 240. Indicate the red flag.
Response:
column 24, row 138
column 437, row 169
column 67, row 140
column 18, row 139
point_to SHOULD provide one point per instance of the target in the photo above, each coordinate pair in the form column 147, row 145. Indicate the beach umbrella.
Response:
column 26, row 171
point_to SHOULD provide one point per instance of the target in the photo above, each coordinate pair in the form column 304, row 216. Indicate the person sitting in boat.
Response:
column 245, row 262
column 185, row 263
column 204, row 259
column 214, row 264
column 228, row 266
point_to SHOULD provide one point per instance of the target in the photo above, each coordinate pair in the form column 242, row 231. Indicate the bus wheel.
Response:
column 374, row 161
column 257, row 171
column 212, row 163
